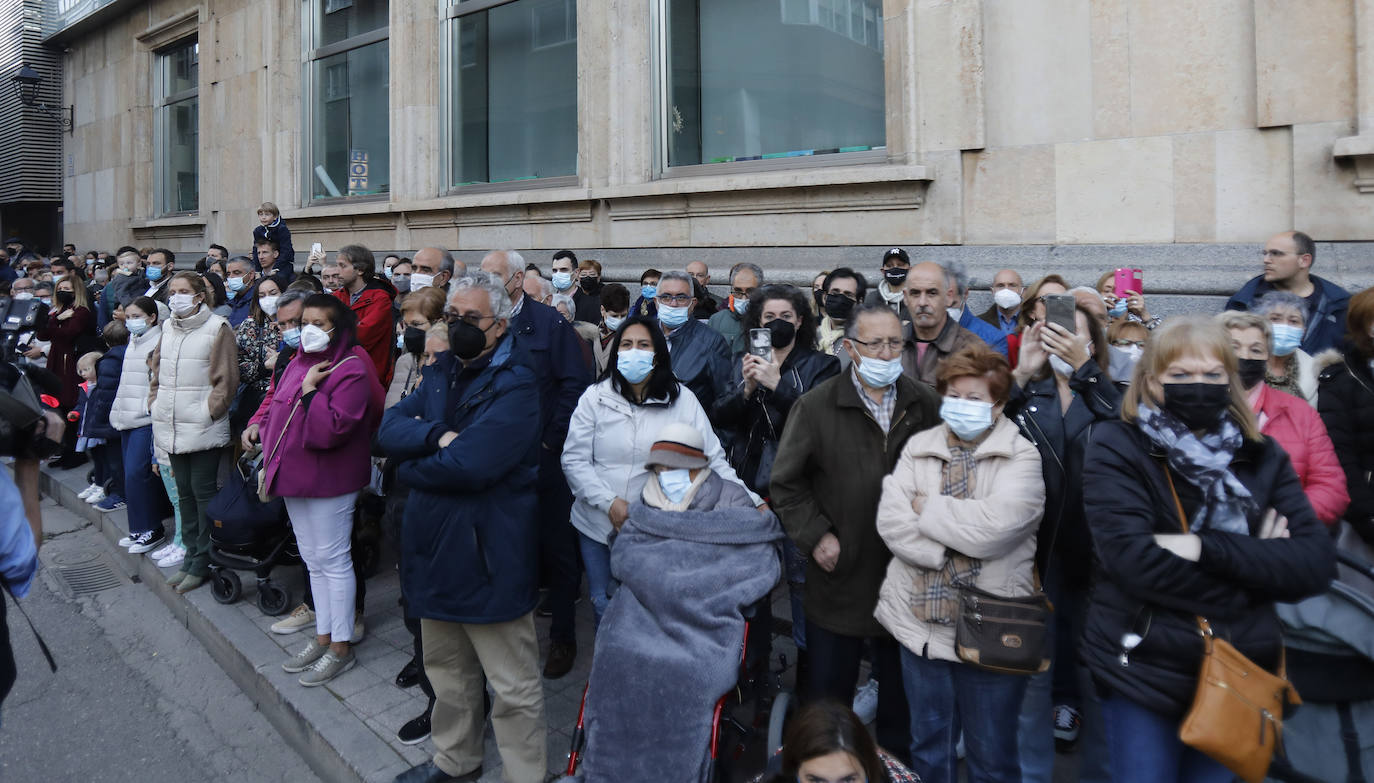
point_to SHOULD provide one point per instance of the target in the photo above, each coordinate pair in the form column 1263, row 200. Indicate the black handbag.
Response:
column 1009, row 635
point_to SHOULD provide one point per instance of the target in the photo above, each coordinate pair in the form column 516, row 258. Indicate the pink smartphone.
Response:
column 1128, row 280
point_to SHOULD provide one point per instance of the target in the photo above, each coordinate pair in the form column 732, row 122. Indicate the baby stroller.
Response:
column 249, row 535
column 1329, row 641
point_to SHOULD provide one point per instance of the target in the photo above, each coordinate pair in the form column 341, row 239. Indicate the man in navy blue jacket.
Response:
column 555, row 353
column 1288, row 259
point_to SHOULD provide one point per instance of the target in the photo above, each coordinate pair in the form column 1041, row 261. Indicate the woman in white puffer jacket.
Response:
column 130, row 415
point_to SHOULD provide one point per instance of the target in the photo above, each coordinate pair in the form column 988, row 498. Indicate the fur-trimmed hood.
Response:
column 1328, row 358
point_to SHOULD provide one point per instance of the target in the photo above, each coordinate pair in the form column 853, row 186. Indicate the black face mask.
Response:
column 466, row 341
column 896, row 275
column 1198, row 405
column 1251, row 372
column 65, row 298
column 819, row 297
column 591, row 284
column 415, row 340
column 838, row 306
column 783, row 332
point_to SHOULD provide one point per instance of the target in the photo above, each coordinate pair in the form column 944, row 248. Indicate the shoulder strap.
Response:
column 1204, row 627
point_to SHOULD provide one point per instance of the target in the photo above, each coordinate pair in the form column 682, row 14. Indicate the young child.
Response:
column 101, row 494
column 271, row 228
column 107, row 455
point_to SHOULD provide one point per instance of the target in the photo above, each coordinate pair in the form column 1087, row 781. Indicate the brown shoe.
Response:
column 560, row 661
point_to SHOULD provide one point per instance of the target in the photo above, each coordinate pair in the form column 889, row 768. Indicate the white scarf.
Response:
column 653, row 493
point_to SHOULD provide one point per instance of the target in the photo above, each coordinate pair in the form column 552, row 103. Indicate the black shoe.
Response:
column 545, row 608
column 560, row 661
column 415, row 730
column 409, row 675
column 428, row 772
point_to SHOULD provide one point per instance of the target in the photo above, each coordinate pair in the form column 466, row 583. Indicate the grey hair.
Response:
column 1087, row 290
column 544, row 286
column 291, row 296
column 679, row 276
column 956, row 274
column 743, row 266
column 485, row 281
column 445, row 261
column 1275, row 300
column 515, row 262
column 851, row 327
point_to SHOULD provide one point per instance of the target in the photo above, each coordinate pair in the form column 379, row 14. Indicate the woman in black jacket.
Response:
column 761, row 395
column 1345, row 399
column 1062, row 392
column 1252, row 540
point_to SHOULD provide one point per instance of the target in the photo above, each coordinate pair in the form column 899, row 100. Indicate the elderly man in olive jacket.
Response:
column 841, row 439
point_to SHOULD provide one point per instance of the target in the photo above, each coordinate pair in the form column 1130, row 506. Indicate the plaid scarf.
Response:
column 1206, row 464
column 935, row 594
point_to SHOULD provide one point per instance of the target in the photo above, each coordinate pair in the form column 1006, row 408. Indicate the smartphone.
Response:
column 1128, row 281
column 1059, row 309
column 761, row 344
column 316, row 248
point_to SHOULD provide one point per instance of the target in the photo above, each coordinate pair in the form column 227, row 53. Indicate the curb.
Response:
column 335, row 743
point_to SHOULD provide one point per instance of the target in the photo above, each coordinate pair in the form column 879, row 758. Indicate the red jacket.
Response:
column 376, row 326
column 1299, row 430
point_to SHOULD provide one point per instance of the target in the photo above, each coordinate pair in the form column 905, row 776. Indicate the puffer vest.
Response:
column 181, row 412
column 130, row 409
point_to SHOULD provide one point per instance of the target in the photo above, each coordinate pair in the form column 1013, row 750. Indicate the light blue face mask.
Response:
column 292, row 337
column 635, row 364
column 1286, row 339
column 153, row 273
column 234, row 284
column 1118, row 309
column 562, row 280
column 648, row 291
column 740, row 305
column 675, row 483
column 966, row 418
column 672, row 317
column 880, row 373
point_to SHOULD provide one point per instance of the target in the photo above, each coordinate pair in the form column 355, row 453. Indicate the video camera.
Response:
column 24, row 429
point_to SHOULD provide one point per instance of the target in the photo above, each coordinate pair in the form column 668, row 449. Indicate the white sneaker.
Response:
column 172, row 558
column 301, row 617
column 96, row 496
column 127, row 541
column 85, row 493
column 359, row 628
column 866, row 702
column 158, row 554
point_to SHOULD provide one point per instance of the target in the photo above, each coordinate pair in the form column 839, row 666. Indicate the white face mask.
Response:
column 268, row 304
column 182, row 304
column 419, row 280
column 1007, row 299
column 955, row 313
column 314, row 339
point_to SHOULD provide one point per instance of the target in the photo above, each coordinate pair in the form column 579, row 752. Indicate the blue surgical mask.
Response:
column 562, row 280
column 1118, row 309
column 672, row 317
column 675, row 483
column 234, row 284
column 648, row 291
column 880, row 373
column 154, row 273
column 1286, row 339
column 292, row 337
column 739, row 305
column 136, row 326
column 966, row 418
column 635, row 364
column 613, row 322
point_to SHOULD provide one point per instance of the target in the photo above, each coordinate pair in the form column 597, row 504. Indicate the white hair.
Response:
column 543, row 285
column 500, row 300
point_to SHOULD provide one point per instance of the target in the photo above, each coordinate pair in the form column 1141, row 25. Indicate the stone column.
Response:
column 1361, row 147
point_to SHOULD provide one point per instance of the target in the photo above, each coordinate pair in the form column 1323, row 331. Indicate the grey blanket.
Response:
column 669, row 643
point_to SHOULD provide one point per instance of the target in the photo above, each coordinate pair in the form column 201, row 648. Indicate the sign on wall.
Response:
column 357, row 172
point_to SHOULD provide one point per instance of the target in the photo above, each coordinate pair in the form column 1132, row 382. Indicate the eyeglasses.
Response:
column 471, row 318
column 740, row 293
column 674, row 299
column 1129, row 343
column 889, row 346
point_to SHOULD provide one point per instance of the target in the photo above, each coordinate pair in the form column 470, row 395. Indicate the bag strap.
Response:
column 292, row 414
column 1204, row 627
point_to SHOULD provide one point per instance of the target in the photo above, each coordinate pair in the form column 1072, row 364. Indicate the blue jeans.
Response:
column 142, row 489
column 946, row 697
column 1145, row 748
column 596, row 559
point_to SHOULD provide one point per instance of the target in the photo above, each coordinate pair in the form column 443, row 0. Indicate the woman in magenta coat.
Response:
column 319, row 427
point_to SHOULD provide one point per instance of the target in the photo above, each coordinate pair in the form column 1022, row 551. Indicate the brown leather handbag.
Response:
column 1237, row 712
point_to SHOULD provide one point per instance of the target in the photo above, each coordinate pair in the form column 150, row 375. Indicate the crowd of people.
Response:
column 894, row 452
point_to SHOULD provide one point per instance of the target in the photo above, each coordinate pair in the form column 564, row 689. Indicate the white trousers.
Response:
column 324, row 530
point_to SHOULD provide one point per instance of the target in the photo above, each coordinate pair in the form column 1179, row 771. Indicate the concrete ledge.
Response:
column 336, row 744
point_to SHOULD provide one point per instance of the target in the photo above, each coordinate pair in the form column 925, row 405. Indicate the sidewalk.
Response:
column 345, row 730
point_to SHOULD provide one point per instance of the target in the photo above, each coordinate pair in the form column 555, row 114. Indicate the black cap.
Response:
column 897, row 252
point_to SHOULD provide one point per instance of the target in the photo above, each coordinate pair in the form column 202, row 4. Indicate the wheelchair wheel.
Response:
column 272, row 599
column 225, row 586
column 784, row 705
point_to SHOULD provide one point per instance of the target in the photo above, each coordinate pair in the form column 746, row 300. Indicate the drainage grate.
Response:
column 89, row 575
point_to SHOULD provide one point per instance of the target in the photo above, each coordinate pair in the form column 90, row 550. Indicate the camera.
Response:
column 23, row 426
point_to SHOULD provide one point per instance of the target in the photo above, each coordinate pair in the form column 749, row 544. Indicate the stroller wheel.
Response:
column 226, row 586
column 783, row 707
column 272, row 599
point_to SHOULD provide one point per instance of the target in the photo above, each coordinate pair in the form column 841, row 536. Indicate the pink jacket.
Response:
column 1299, row 430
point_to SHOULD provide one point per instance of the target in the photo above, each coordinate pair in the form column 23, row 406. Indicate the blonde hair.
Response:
column 1185, row 336
column 88, row 360
column 1237, row 319
column 268, row 206
column 80, row 296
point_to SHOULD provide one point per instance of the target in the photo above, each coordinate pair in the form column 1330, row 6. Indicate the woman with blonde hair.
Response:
column 1187, row 445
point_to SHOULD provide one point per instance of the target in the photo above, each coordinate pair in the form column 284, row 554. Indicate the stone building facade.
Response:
column 1073, row 135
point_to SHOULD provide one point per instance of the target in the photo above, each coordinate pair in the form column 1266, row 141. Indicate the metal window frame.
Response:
column 454, row 10
column 162, row 104
column 311, row 13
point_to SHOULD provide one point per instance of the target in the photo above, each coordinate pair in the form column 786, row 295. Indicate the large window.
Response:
column 350, row 136
column 178, row 125
column 514, row 90
column 762, row 79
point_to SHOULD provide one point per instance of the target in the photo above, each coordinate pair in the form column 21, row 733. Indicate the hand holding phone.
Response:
column 1059, row 309
column 1128, row 281
column 761, row 344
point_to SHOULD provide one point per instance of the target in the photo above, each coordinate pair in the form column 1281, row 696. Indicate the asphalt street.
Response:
column 135, row 696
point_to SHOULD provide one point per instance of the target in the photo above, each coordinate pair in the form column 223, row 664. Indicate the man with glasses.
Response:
column 843, row 290
column 933, row 335
column 555, row 352
column 744, row 278
column 701, row 357
column 841, row 439
column 468, row 446
column 1288, row 259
